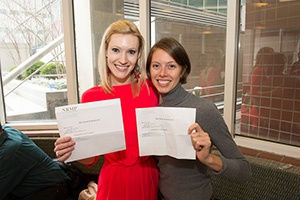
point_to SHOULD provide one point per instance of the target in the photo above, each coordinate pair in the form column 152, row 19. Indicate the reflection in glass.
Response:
column 269, row 47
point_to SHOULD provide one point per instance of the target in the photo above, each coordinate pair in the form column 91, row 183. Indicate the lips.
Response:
column 163, row 82
column 121, row 68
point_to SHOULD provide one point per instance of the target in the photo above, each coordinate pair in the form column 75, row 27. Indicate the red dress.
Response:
column 125, row 175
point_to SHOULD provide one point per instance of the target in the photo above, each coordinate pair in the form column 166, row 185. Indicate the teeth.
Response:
column 164, row 82
column 121, row 67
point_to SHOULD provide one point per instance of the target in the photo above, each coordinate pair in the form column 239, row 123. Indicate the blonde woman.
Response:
column 125, row 175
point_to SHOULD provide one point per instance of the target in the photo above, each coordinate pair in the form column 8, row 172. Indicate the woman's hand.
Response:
column 64, row 147
column 202, row 143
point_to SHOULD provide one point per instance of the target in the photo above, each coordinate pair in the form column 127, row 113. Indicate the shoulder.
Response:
column 210, row 119
column 148, row 95
column 206, row 110
column 205, row 105
column 13, row 141
column 93, row 90
column 257, row 70
column 93, row 94
column 202, row 105
column 13, row 134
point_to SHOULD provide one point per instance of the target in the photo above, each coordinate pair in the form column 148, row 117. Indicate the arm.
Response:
column 201, row 142
column 11, row 174
column 234, row 165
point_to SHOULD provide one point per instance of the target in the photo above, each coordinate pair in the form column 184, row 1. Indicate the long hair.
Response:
column 121, row 27
column 176, row 51
column 264, row 57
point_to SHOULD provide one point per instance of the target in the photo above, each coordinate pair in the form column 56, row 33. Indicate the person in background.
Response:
column 26, row 171
column 168, row 66
column 211, row 76
column 125, row 175
column 295, row 70
column 268, row 66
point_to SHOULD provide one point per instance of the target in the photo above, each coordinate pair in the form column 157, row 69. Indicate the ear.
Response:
column 182, row 72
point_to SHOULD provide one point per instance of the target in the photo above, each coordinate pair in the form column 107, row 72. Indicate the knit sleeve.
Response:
column 235, row 165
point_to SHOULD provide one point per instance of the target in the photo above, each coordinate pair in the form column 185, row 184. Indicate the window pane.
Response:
column 32, row 64
column 211, row 5
column 222, row 6
column 196, row 3
column 269, row 66
column 203, row 36
column 180, row 1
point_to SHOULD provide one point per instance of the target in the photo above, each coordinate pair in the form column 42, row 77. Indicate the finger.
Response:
column 195, row 136
column 62, row 140
column 195, row 128
column 196, row 140
column 63, row 146
column 62, row 152
column 64, row 157
column 198, row 146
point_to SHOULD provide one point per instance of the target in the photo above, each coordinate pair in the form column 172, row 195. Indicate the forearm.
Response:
column 214, row 162
column 88, row 161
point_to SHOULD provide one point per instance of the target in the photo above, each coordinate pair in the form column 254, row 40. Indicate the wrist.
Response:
column 209, row 160
column 214, row 162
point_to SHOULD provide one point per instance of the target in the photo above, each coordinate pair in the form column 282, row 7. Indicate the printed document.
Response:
column 164, row 131
column 96, row 127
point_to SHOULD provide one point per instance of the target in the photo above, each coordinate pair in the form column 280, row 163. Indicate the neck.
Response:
column 175, row 96
column 116, row 82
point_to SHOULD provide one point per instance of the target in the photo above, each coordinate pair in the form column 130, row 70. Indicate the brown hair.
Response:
column 176, row 51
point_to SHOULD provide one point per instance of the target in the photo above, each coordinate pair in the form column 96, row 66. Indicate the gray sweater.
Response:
column 189, row 179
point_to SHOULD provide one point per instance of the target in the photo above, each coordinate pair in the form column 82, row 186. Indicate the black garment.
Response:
column 58, row 191
column 24, row 167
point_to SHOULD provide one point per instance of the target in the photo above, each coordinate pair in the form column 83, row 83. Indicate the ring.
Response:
column 199, row 134
column 57, row 154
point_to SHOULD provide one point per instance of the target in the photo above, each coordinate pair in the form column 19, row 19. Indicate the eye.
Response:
column 172, row 66
column 155, row 65
column 132, row 51
column 115, row 50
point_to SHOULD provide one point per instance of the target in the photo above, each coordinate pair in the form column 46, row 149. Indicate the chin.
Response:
column 163, row 91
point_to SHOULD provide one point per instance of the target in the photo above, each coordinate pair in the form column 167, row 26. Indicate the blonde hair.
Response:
column 121, row 27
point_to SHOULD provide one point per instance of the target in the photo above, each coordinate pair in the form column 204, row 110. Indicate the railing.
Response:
column 220, row 104
column 32, row 60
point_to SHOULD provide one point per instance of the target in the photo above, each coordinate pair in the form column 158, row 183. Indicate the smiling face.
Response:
column 122, row 55
column 165, row 72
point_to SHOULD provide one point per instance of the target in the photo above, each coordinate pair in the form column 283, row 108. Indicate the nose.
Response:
column 123, row 58
column 163, row 72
